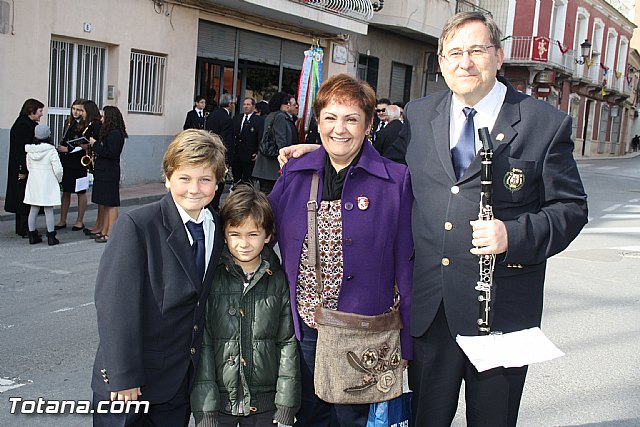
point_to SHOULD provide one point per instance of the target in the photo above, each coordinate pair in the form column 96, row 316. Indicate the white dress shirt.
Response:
column 487, row 111
column 206, row 218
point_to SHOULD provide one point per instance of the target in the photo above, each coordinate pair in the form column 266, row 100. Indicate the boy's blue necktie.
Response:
column 465, row 150
column 197, row 234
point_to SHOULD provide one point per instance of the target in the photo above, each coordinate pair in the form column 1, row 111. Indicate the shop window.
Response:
column 146, row 83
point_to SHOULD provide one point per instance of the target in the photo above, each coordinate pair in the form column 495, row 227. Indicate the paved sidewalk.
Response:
column 629, row 155
column 134, row 195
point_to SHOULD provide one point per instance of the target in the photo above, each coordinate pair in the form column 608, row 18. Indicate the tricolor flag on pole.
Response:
column 310, row 81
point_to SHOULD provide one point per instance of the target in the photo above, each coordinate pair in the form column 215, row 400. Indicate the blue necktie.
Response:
column 197, row 234
column 465, row 150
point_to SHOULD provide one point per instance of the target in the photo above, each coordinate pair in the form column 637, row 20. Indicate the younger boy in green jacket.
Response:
column 249, row 365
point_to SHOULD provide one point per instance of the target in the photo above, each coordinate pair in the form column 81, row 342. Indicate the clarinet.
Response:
column 487, row 262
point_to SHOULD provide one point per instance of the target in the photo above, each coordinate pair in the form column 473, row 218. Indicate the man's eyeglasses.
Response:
column 475, row 52
column 381, row 110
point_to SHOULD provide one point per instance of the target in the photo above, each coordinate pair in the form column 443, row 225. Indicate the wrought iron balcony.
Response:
column 360, row 10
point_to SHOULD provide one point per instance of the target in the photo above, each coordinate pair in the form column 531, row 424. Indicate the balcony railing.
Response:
column 360, row 10
column 519, row 51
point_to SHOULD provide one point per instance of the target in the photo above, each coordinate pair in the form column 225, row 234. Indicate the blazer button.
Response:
column 448, row 226
column 195, row 328
column 106, row 380
column 348, row 206
column 350, row 277
column 232, row 311
column 445, row 262
column 348, row 241
column 455, row 189
column 193, row 350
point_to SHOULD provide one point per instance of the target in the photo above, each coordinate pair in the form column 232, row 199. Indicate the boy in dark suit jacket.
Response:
column 150, row 295
column 197, row 118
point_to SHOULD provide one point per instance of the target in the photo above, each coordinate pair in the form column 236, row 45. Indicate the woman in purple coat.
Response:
column 364, row 232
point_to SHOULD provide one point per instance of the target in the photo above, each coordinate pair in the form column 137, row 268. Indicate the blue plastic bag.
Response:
column 391, row 413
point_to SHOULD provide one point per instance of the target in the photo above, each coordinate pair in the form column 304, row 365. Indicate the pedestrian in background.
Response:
column 93, row 120
column 20, row 135
column 221, row 123
column 197, row 117
column 266, row 170
column 71, row 159
column 247, row 129
column 42, row 190
column 106, row 170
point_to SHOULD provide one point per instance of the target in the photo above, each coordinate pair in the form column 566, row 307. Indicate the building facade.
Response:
column 151, row 57
column 574, row 54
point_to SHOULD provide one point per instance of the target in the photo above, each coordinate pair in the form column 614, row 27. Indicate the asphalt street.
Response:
column 48, row 332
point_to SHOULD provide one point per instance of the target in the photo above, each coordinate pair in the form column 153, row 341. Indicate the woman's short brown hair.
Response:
column 346, row 89
column 195, row 147
column 247, row 202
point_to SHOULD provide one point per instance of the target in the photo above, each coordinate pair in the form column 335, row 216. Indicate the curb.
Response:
column 131, row 201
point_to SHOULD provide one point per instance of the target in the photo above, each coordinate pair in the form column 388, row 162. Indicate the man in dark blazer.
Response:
column 150, row 298
column 221, row 123
column 387, row 136
column 247, row 130
column 197, row 118
column 539, row 206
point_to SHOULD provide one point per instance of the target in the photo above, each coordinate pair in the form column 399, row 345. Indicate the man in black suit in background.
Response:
column 247, row 130
column 196, row 118
column 221, row 123
column 387, row 136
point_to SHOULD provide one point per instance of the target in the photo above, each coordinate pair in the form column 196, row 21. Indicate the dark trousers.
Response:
column 22, row 228
column 174, row 413
column 242, row 172
column 315, row 412
column 266, row 185
column 263, row 419
column 436, row 373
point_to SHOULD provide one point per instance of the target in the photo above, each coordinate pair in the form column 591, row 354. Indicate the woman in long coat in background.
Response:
column 21, row 134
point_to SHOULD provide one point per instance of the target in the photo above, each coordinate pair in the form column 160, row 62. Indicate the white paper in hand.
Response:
column 510, row 350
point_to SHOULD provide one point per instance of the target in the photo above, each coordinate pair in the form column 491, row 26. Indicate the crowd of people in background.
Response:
column 43, row 172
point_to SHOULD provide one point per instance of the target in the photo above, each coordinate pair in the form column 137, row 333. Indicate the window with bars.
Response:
column 75, row 71
column 146, row 83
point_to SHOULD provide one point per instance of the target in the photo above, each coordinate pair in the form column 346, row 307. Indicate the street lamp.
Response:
column 585, row 47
